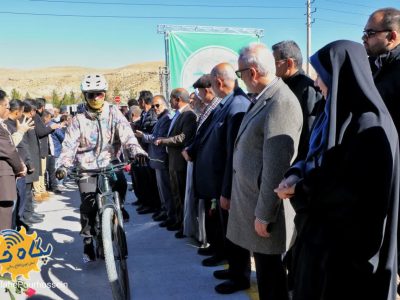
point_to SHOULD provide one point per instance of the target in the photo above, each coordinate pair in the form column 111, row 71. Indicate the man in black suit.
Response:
column 206, row 216
column 213, row 176
column 11, row 166
column 42, row 132
column 180, row 134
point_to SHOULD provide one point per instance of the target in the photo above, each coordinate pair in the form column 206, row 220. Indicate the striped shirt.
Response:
column 207, row 111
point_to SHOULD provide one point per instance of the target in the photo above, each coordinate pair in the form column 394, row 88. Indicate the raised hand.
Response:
column 25, row 125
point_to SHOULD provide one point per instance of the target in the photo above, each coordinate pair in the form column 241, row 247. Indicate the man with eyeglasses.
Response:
column 265, row 146
column 145, row 177
column 288, row 63
column 381, row 40
column 158, row 160
column 94, row 140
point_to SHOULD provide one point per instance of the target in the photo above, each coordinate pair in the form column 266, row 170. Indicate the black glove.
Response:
column 140, row 160
column 61, row 173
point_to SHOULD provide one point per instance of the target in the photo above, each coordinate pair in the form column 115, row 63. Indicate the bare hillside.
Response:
column 128, row 80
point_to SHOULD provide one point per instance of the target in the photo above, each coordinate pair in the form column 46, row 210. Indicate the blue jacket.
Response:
column 212, row 171
column 157, row 154
column 58, row 137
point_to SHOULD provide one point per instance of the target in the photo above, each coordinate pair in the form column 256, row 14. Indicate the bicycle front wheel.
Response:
column 115, row 254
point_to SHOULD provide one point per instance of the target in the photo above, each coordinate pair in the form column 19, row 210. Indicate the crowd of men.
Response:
column 212, row 167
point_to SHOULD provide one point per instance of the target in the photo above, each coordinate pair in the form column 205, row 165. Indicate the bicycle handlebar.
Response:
column 104, row 170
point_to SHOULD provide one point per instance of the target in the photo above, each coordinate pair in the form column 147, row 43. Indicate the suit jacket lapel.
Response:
column 259, row 106
column 216, row 117
column 178, row 119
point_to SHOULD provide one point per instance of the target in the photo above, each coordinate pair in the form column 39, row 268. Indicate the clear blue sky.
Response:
column 112, row 36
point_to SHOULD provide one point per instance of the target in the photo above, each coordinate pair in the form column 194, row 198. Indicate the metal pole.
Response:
column 308, row 36
column 166, row 76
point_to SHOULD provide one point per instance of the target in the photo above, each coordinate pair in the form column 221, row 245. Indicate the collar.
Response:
column 269, row 85
column 182, row 108
column 222, row 102
column 388, row 57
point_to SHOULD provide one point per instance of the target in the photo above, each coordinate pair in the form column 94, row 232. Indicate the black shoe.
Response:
column 230, row 287
column 213, row 261
column 157, row 213
column 148, row 210
column 141, row 207
column 179, row 234
column 209, row 251
column 160, row 217
column 174, row 227
column 222, row 274
column 125, row 215
column 166, row 223
column 88, row 250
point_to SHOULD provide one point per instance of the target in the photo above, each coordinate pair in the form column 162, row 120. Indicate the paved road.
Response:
column 160, row 266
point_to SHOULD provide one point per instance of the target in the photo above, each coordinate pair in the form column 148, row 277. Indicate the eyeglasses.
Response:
column 94, row 95
column 370, row 32
column 279, row 61
column 239, row 72
column 155, row 105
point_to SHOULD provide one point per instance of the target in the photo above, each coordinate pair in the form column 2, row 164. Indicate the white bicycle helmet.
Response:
column 93, row 83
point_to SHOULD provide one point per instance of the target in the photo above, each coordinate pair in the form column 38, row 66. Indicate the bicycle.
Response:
column 109, row 225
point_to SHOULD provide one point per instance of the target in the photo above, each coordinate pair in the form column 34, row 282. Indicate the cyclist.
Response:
column 92, row 141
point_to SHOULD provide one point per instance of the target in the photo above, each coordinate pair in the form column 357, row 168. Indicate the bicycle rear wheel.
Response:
column 115, row 254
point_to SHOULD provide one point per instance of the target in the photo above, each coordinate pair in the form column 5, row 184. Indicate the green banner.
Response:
column 192, row 54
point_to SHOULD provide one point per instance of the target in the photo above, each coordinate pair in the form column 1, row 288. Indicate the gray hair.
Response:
column 134, row 110
column 180, row 93
column 225, row 73
column 391, row 17
column 289, row 49
column 260, row 57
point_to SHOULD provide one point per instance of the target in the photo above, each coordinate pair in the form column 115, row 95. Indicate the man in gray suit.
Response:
column 265, row 146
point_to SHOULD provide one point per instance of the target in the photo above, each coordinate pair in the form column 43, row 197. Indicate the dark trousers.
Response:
column 178, row 187
column 51, row 172
column 239, row 263
column 20, row 204
column 88, row 208
column 21, row 193
column 6, row 211
column 164, row 189
column 271, row 277
column 29, row 207
column 213, row 227
column 145, row 186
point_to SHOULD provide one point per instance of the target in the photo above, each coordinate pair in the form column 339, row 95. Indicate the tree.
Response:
column 65, row 100
column 15, row 94
column 55, row 99
column 27, row 96
column 72, row 97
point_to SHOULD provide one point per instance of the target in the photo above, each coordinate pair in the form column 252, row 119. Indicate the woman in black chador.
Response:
column 346, row 192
